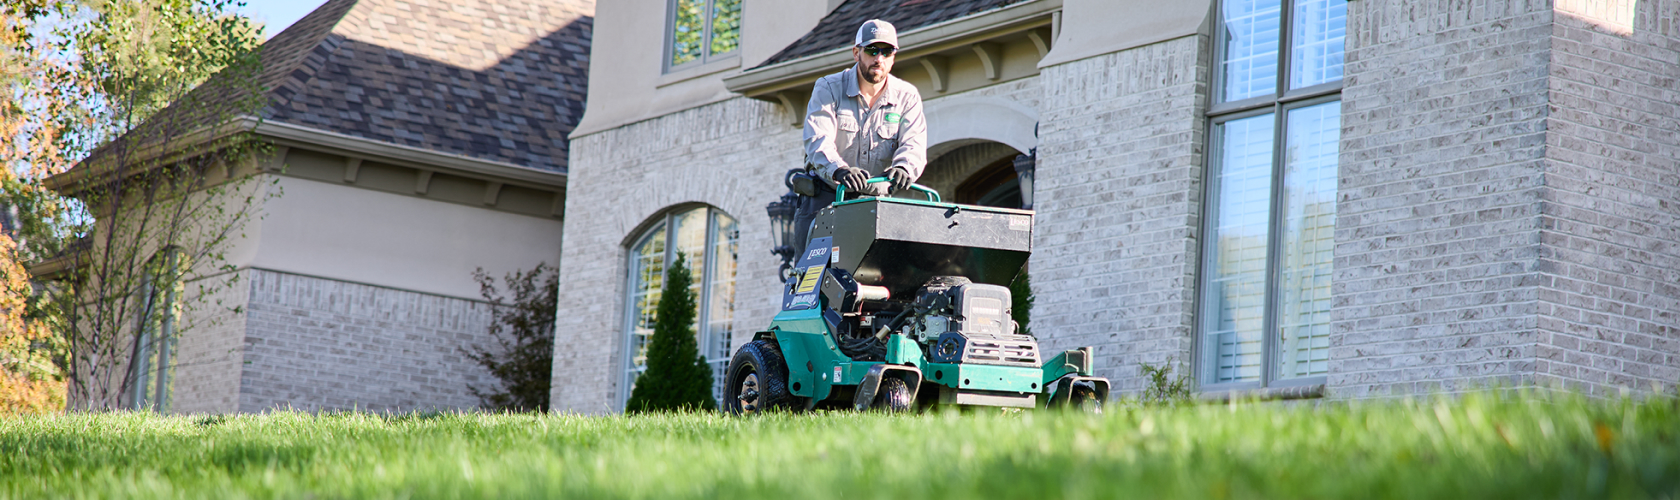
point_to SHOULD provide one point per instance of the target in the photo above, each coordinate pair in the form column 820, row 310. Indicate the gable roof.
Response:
column 838, row 27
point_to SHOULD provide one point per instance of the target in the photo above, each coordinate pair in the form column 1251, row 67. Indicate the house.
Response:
column 1305, row 198
column 412, row 143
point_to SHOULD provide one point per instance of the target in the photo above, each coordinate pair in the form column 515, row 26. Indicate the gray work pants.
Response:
column 805, row 215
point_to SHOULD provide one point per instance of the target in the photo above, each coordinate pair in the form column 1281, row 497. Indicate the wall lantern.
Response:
column 781, row 214
column 1024, row 167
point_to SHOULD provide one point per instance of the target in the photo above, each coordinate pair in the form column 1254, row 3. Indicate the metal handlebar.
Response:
column 933, row 196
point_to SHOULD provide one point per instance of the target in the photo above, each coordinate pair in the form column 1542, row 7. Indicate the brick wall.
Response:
column 1609, row 292
column 319, row 344
column 729, row 155
column 210, row 351
column 1438, row 225
column 1118, row 194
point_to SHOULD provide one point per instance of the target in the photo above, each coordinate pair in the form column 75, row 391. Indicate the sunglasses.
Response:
column 879, row 51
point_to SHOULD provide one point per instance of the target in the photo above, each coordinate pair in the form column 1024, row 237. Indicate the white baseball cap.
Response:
column 874, row 31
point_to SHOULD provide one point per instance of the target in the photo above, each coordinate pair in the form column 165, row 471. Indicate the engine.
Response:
column 959, row 321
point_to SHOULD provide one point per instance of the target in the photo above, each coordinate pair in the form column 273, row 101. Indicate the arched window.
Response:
column 155, row 326
column 708, row 238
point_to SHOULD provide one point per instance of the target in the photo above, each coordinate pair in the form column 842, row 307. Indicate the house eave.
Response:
column 287, row 134
column 765, row 82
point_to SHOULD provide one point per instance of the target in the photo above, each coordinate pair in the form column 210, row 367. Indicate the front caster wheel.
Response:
column 893, row 396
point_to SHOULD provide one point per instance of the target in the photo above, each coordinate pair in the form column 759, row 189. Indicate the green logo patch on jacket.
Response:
column 893, row 117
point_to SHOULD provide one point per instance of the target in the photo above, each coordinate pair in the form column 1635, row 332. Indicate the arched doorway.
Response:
column 977, row 173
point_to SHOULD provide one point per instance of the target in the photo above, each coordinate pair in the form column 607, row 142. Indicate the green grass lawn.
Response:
column 1476, row 446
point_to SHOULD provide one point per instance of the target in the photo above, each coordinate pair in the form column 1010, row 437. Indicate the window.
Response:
column 1271, row 203
column 708, row 239
column 701, row 30
column 154, row 344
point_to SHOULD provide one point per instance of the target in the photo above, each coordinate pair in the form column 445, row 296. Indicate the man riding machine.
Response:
column 896, row 303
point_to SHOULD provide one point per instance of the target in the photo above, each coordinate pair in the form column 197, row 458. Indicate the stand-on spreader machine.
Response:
column 899, row 304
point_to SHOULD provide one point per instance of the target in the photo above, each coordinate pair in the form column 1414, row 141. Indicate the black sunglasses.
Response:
column 880, row 51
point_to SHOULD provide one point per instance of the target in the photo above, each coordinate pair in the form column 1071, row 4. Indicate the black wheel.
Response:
column 1084, row 399
column 893, row 396
column 757, row 380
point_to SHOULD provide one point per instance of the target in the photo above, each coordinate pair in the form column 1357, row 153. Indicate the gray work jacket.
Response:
column 842, row 131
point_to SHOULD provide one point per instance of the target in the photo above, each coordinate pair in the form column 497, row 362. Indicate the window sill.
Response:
column 1312, row 391
column 691, row 72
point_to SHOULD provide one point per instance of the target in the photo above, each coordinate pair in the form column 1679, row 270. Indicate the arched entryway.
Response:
column 973, row 142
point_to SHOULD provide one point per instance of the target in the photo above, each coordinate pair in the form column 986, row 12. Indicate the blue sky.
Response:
column 278, row 14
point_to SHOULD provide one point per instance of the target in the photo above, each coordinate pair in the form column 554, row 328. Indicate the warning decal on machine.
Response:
column 809, row 282
column 801, row 290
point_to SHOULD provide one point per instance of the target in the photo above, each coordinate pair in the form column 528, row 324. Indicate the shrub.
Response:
column 1163, row 388
column 523, row 326
column 1021, row 301
column 677, row 378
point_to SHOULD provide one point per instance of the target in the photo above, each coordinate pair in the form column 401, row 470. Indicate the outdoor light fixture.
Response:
column 781, row 214
column 1024, row 166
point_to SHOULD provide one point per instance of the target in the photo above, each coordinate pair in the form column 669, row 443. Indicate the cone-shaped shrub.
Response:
column 677, row 377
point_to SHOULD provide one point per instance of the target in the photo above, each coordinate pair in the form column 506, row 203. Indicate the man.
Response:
column 862, row 123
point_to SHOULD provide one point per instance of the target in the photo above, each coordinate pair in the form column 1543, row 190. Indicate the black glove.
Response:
column 854, row 179
column 900, row 178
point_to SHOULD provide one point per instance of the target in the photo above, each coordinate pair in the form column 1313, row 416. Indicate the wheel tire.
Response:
column 893, row 396
column 757, row 380
column 1084, row 399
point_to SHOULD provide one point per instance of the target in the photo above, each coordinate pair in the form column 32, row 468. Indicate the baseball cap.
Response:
column 876, row 30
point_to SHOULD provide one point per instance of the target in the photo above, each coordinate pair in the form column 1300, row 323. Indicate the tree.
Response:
column 130, row 179
column 677, row 377
column 523, row 327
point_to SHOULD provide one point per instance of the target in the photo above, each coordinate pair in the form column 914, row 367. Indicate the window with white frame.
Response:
column 708, row 239
column 1271, row 203
column 155, row 328
column 698, row 31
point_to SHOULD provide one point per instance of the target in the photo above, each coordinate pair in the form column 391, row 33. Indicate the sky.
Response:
column 278, row 14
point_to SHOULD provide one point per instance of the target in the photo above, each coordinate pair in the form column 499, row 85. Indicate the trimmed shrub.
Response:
column 677, row 377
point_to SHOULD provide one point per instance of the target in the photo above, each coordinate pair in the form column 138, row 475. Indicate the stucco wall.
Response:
column 405, row 242
column 628, row 82
column 1119, row 200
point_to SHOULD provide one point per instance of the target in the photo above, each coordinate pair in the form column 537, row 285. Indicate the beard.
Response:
column 874, row 74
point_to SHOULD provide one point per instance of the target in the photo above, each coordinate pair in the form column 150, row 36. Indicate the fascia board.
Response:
column 922, row 41
column 455, row 164
column 313, row 138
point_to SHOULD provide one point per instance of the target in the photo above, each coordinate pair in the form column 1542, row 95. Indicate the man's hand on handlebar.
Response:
column 853, row 178
column 901, row 179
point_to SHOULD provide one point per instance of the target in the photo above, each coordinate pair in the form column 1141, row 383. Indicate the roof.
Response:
column 501, row 80
column 498, row 80
column 838, row 27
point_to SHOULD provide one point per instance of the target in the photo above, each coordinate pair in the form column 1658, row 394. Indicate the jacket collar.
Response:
column 889, row 93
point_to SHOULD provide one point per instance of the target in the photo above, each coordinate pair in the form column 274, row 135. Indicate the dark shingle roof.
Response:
column 501, row 80
column 836, row 29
